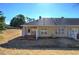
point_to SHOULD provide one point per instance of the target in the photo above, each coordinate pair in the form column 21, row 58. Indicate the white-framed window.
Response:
column 44, row 32
column 60, row 31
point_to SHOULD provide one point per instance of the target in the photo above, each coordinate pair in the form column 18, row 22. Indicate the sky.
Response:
column 34, row 10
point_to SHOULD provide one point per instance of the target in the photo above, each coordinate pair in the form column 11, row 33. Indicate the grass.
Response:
column 1, row 37
column 4, row 51
column 9, row 34
column 12, row 33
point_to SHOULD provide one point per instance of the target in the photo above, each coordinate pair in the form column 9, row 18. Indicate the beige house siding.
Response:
column 52, row 31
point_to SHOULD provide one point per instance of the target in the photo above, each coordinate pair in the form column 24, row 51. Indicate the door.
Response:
column 78, row 36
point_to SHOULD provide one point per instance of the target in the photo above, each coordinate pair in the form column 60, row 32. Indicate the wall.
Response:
column 53, row 31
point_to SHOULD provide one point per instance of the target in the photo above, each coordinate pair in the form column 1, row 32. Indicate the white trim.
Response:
column 23, row 31
column 50, row 25
column 37, row 34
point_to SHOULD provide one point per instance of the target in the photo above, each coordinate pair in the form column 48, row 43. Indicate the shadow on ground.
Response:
column 51, row 44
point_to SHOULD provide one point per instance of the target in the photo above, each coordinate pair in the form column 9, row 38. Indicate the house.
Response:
column 52, row 27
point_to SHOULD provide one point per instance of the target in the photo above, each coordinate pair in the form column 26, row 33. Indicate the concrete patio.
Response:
column 41, row 43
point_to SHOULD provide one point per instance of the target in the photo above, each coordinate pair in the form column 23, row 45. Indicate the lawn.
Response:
column 4, row 51
column 9, row 34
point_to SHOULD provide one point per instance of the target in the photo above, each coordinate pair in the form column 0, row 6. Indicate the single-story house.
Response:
column 52, row 27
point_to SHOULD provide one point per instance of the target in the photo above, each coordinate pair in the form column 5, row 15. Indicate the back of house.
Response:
column 52, row 27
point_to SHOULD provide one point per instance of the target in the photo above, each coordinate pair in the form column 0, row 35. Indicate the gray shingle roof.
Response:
column 55, row 21
column 72, row 21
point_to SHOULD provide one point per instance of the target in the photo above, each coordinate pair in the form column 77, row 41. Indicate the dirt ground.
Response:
column 13, row 33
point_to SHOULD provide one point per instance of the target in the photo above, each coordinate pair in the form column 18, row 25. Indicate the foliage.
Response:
column 17, row 21
column 29, row 19
column 40, row 17
column 9, row 27
column 2, row 21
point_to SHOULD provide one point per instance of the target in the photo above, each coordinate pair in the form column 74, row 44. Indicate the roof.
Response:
column 55, row 21
column 72, row 21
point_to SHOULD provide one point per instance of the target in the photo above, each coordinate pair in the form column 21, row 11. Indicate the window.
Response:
column 44, row 32
column 62, row 30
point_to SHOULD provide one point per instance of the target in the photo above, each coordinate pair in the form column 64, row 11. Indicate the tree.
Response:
column 29, row 19
column 40, row 17
column 17, row 21
column 2, row 21
column 12, row 22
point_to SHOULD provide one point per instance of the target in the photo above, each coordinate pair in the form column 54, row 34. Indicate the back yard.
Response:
column 12, row 44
